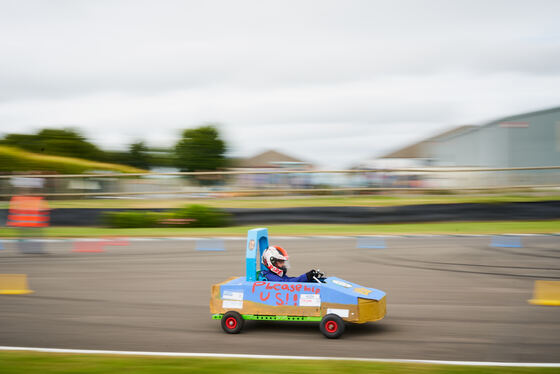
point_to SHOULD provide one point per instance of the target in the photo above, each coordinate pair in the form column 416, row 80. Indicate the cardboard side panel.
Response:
column 251, row 307
column 347, row 312
column 215, row 295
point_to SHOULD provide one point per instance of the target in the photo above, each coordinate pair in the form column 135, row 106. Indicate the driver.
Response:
column 275, row 260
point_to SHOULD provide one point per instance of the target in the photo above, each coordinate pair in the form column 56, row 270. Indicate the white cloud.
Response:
column 331, row 81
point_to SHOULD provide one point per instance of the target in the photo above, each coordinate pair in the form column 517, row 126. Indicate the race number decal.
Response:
column 339, row 312
column 232, row 304
column 232, row 295
column 363, row 291
column 342, row 284
column 309, row 299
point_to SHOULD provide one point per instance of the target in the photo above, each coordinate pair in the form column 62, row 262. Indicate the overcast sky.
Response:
column 331, row 82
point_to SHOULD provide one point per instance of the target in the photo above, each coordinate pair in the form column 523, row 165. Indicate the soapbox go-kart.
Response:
column 331, row 301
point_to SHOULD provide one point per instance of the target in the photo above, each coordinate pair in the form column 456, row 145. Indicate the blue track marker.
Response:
column 31, row 246
column 1, row 244
column 210, row 245
column 371, row 242
column 506, row 241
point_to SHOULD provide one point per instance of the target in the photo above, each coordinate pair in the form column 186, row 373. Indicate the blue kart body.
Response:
column 256, row 299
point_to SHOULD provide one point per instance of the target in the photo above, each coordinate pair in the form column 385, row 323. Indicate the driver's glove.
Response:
column 310, row 274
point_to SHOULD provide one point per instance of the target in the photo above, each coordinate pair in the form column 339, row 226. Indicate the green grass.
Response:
column 24, row 362
column 15, row 159
column 307, row 201
column 495, row 227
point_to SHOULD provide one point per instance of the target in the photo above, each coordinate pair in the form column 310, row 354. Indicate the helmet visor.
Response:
column 281, row 263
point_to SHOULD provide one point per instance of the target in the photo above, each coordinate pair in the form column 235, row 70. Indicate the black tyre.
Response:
column 332, row 326
column 232, row 322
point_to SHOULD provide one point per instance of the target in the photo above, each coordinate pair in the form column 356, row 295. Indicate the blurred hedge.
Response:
column 203, row 216
column 189, row 216
column 132, row 219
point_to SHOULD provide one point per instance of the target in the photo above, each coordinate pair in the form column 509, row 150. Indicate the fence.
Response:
column 281, row 182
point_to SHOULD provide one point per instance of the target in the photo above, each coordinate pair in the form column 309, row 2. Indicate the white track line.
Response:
column 228, row 355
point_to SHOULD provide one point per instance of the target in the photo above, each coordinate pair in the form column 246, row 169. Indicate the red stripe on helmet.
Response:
column 282, row 251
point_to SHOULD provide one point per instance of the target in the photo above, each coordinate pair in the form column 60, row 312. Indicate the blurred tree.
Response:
column 68, row 142
column 116, row 157
column 200, row 149
column 138, row 155
column 163, row 157
column 59, row 142
column 24, row 141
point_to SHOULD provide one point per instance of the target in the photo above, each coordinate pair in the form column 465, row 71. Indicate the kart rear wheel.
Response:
column 332, row 326
column 232, row 322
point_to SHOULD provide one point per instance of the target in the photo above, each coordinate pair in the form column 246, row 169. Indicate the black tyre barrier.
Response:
column 541, row 210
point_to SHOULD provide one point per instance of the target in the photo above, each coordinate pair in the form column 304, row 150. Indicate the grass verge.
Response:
column 450, row 228
column 24, row 362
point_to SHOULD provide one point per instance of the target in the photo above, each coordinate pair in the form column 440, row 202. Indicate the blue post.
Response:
column 505, row 241
column 1, row 245
column 371, row 242
column 257, row 242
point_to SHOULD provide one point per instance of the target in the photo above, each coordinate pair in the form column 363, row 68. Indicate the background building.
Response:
column 530, row 139
column 522, row 140
column 273, row 161
column 419, row 154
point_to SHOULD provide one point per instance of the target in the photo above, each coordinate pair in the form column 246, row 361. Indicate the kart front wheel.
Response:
column 332, row 326
column 232, row 322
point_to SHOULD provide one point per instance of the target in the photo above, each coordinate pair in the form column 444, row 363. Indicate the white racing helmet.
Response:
column 271, row 255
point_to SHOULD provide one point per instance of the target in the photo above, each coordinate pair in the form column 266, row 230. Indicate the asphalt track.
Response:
column 449, row 298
